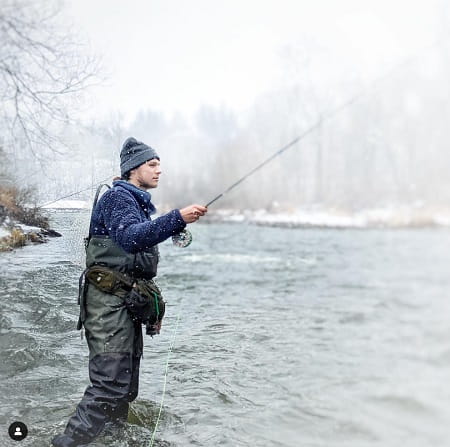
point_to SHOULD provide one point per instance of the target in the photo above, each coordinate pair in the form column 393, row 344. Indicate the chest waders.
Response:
column 113, row 335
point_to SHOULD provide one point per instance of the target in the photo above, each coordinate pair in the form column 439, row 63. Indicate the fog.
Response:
column 386, row 148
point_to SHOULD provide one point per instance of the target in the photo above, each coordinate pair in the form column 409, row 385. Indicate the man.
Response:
column 122, row 258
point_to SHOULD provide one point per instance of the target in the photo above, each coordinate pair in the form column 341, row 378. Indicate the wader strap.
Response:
column 82, row 289
column 97, row 193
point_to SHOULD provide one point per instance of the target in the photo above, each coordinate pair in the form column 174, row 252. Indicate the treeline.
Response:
column 388, row 147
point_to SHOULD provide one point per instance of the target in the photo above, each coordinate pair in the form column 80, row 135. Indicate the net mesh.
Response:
column 78, row 231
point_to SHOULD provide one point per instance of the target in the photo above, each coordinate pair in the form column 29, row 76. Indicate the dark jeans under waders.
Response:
column 115, row 350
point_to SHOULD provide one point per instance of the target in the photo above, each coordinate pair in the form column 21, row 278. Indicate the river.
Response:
column 272, row 337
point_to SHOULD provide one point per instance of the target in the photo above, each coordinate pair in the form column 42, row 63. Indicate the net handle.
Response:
column 97, row 193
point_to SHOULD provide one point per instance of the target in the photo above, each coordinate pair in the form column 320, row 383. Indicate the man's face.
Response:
column 147, row 175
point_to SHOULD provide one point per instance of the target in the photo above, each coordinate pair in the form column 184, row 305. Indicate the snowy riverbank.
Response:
column 389, row 217
column 21, row 224
column 15, row 235
column 415, row 216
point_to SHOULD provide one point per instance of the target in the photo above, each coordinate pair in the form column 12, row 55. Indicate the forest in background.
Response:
column 388, row 148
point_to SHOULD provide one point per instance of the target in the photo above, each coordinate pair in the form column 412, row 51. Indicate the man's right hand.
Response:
column 192, row 213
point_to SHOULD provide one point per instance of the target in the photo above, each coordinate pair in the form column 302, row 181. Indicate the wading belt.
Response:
column 142, row 298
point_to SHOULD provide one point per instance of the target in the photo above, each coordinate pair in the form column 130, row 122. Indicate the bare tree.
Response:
column 42, row 74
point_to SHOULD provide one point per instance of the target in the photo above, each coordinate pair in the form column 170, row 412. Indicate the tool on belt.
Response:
column 141, row 297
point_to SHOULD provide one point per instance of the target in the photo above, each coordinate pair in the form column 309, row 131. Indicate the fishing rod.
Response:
column 268, row 160
column 327, row 116
column 184, row 238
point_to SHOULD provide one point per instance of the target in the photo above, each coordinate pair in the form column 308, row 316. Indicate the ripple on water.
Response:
column 27, row 354
column 5, row 323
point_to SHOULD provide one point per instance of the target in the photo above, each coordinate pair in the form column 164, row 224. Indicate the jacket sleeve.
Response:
column 123, row 220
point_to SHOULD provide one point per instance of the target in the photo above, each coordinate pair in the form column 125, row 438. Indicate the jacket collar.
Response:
column 142, row 197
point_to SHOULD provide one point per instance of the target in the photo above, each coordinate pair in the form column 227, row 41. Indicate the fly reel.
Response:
column 182, row 239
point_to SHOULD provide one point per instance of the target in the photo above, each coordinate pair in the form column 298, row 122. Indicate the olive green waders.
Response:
column 115, row 347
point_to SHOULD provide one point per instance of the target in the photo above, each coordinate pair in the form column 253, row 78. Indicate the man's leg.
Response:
column 134, row 389
column 112, row 339
column 103, row 400
column 121, row 413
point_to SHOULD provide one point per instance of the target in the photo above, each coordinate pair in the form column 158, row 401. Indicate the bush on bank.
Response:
column 15, row 214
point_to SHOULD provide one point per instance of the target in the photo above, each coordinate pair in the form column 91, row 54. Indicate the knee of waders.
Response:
column 111, row 377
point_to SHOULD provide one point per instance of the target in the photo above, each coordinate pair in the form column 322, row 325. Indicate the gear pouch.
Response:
column 146, row 309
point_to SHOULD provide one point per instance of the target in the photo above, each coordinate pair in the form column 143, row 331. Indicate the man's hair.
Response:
column 126, row 175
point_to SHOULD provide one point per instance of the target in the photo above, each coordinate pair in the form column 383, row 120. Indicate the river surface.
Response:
column 281, row 337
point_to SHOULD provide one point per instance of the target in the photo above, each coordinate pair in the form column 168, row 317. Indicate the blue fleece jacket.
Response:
column 123, row 212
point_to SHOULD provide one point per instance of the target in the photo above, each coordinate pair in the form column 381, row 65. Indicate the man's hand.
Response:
column 192, row 213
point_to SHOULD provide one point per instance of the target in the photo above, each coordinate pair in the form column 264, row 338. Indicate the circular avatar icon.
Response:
column 18, row 431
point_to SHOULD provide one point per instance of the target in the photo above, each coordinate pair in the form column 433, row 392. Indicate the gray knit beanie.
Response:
column 134, row 153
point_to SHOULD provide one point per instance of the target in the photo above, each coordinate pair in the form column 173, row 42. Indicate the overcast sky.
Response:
column 174, row 55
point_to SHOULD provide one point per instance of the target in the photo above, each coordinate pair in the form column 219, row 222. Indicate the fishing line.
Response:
column 93, row 185
column 185, row 238
column 169, row 352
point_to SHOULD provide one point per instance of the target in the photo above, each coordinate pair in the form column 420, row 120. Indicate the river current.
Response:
column 272, row 337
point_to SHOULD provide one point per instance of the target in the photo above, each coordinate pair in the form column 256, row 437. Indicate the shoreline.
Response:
column 362, row 220
column 390, row 217
column 21, row 225
column 16, row 235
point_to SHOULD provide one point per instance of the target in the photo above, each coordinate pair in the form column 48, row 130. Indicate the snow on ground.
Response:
column 443, row 219
column 388, row 217
column 4, row 232
column 27, row 228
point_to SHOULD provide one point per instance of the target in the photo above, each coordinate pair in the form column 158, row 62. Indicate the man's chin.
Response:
column 146, row 186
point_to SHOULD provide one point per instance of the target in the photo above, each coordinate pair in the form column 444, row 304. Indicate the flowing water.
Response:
column 281, row 337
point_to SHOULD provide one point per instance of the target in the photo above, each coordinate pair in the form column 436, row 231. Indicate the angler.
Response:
column 117, row 292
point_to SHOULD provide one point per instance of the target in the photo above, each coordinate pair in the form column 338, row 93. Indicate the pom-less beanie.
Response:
column 134, row 153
